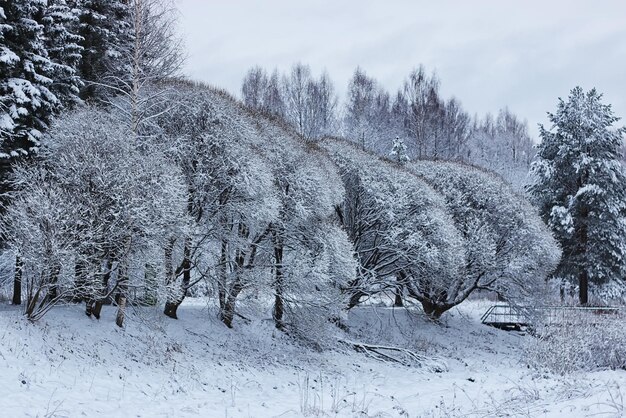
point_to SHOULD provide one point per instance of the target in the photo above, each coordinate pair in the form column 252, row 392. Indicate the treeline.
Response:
column 216, row 193
column 432, row 127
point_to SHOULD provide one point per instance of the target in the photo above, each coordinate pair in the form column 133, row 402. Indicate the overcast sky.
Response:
column 487, row 53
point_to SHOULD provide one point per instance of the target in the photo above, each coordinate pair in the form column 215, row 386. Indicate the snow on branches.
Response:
column 579, row 185
column 217, row 195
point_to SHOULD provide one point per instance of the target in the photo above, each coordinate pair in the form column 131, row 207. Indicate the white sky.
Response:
column 487, row 53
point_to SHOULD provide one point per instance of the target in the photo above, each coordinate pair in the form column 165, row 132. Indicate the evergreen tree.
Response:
column 106, row 31
column 398, row 151
column 26, row 102
column 64, row 50
column 580, row 187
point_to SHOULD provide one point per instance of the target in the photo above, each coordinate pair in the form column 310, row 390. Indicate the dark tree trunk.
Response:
column 433, row 310
column 583, row 275
column 355, row 298
column 97, row 309
column 228, row 313
column 80, row 282
column 32, row 302
column 223, row 273
column 90, row 307
column 583, row 284
column 171, row 306
column 398, row 302
column 17, row 281
column 122, row 298
column 169, row 278
column 53, row 281
column 279, row 308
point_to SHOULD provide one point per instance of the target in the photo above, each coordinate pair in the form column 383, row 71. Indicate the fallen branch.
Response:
column 407, row 357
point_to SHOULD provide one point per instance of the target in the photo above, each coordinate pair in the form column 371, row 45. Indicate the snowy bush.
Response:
column 585, row 344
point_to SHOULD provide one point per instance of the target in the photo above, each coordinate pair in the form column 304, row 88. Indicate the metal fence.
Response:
column 515, row 317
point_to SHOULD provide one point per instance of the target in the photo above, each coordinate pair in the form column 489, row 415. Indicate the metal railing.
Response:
column 505, row 316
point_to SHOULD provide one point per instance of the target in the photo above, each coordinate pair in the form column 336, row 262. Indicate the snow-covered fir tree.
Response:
column 398, row 151
column 106, row 31
column 580, row 188
column 26, row 102
column 63, row 46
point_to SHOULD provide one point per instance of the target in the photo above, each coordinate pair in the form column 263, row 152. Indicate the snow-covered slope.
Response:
column 71, row 365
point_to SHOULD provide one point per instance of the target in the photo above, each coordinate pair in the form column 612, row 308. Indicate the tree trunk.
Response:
column 17, row 281
column 223, row 273
column 121, row 308
column 121, row 301
column 583, row 284
column 355, row 298
column 398, row 302
column 228, row 313
column 583, row 275
column 169, row 278
column 53, row 281
column 279, row 308
column 171, row 306
column 433, row 310
column 32, row 302
column 97, row 309
column 150, row 286
column 169, row 265
column 80, row 281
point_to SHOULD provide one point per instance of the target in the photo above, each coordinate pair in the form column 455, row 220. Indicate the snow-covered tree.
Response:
column 263, row 92
column 501, row 144
column 262, row 204
column 309, row 103
column 26, row 102
column 399, row 226
column 153, row 54
column 306, row 103
column 63, row 46
column 94, row 205
column 366, row 114
column 398, row 151
column 105, row 28
column 312, row 259
column 507, row 247
column 580, row 188
column 253, row 87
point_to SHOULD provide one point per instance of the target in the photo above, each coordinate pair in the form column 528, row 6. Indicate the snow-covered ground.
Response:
column 70, row 365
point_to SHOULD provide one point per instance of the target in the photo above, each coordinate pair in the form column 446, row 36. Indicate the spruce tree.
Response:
column 580, row 188
column 106, row 32
column 26, row 102
column 63, row 46
column 399, row 151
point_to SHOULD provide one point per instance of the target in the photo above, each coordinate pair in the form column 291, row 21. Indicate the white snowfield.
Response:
column 71, row 365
